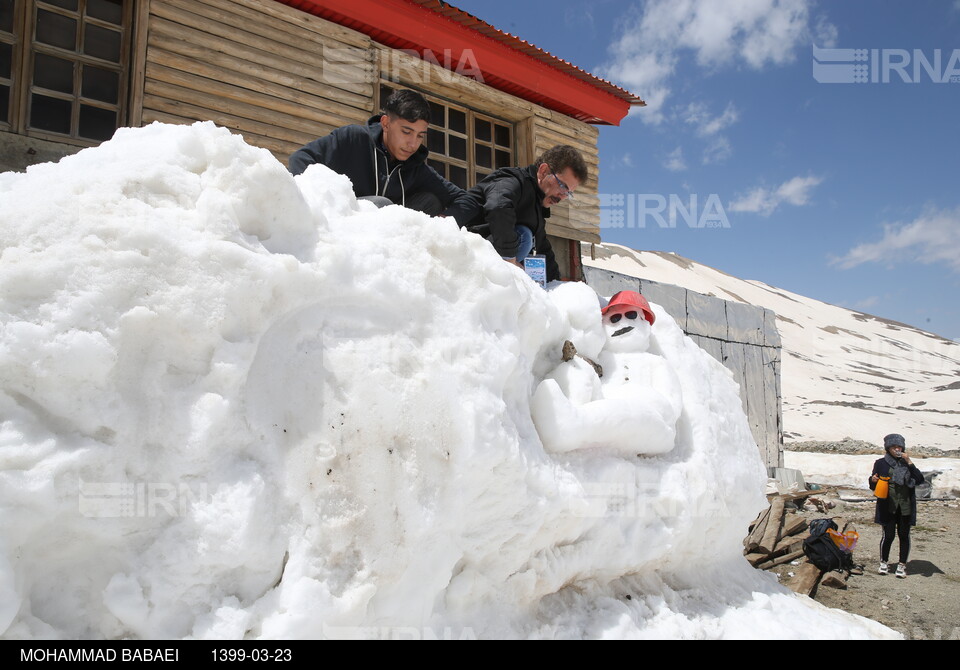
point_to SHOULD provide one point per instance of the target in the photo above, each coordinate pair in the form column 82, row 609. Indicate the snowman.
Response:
column 632, row 409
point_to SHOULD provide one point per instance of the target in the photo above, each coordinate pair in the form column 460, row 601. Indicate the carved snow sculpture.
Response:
column 629, row 406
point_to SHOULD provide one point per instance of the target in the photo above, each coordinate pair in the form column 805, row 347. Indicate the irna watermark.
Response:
column 883, row 66
column 351, row 65
column 397, row 633
column 637, row 210
column 115, row 500
column 643, row 501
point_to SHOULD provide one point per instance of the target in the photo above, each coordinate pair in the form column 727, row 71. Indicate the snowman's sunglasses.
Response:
column 630, row 315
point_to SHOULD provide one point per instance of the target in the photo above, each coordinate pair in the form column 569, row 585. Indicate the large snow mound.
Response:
column 239, row 404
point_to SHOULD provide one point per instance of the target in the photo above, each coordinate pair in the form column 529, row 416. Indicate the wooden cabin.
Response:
column 284, row 72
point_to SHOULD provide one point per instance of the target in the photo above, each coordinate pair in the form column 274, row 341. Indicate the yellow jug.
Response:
column 881, row 488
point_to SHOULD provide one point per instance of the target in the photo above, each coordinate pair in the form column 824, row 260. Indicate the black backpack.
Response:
column 822, row 551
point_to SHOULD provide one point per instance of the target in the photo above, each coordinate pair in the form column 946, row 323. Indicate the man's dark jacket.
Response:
column 358, row 152
column 505, row 199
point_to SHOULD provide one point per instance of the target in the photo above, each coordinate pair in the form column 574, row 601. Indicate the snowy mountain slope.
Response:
column 844, row 373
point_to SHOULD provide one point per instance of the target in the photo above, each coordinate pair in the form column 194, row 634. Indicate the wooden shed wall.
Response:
column 251, row 66
column 258, row 67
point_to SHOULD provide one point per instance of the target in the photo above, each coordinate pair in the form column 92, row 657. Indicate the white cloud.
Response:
column 697, row 115
column 825, row 34
column 933, row 237
column 717, row 151
column 674, row 161
column 718, row 33
column 764, row 201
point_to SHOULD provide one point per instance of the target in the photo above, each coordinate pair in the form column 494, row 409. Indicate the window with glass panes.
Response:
column 67, row 65
column 465, row 145
column 7, row 44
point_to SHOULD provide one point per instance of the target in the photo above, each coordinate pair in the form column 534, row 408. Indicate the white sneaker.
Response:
column 883, row 570
column 901, row 570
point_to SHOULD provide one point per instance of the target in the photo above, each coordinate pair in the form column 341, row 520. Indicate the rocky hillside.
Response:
column 845, row 374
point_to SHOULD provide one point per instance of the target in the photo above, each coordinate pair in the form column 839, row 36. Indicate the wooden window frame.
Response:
column 12, row 40
column 474, row 173
column 25, row 49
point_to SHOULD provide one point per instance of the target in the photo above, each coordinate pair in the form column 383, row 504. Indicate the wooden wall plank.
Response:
column 304, row 57
column 303, row 21
column 204, row 106
column 276, row 74
column 232, row 86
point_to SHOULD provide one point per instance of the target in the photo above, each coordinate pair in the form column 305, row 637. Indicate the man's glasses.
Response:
column 564, row 189
column 619, row 315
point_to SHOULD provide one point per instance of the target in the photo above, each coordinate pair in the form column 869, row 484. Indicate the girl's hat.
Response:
column 894, row 440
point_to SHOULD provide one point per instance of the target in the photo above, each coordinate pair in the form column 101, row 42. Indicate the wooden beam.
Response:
column 771, row 533
column 138, row 63
column 780, row 560
column 805, row 579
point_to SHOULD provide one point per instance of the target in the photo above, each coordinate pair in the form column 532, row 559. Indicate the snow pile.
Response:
column 238, row 404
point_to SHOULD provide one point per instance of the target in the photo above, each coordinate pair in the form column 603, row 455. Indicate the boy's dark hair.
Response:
column 407, row 105
column 563, row 156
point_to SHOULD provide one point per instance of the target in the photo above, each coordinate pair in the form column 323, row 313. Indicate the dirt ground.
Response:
column 926, row 604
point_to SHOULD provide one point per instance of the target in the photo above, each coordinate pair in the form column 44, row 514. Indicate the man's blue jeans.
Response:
column 526, row 243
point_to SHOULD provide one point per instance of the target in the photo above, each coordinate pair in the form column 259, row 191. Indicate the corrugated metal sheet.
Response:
column 521, row 48
column 524, row 47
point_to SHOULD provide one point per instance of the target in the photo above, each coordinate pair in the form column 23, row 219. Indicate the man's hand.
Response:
column 514, row 261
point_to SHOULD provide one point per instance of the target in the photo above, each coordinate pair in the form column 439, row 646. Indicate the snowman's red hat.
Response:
column 622, row 301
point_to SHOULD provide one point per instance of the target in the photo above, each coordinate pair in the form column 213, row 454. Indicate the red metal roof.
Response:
column 462, row 42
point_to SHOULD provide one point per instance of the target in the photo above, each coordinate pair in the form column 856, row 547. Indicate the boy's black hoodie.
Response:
column 358, row 152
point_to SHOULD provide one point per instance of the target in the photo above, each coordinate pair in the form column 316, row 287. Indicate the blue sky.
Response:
column 844, row 192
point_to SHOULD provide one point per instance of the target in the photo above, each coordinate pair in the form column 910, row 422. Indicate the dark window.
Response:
column 4, row 104
column 6, row 16
column 465, row 145
column 481, row 129
column 97, row 123
column 53, row 73
column 100, row 84
column 110, row 11
column 65, row 64
column 6, row 60
column 102, row 43
column 7, row 42
column 51, row 114
column 65, row 4
column 436, row 141
column 457, row 121
column 457, row 147
column 56, row 30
